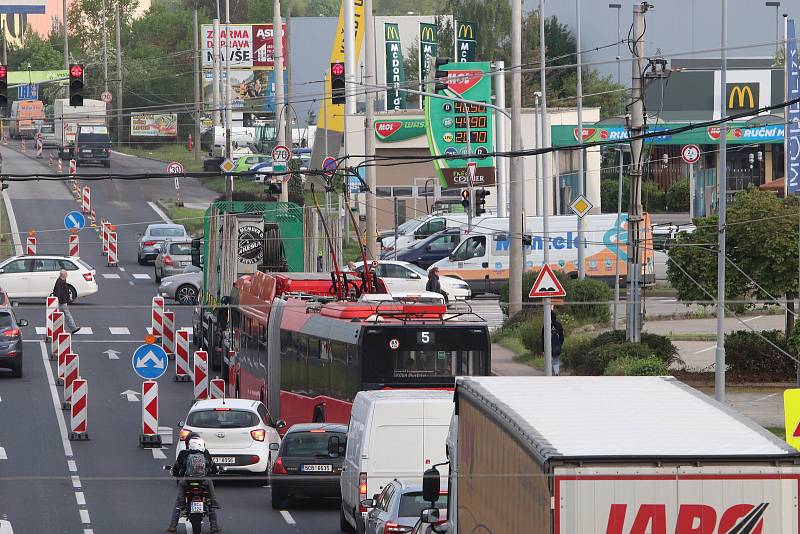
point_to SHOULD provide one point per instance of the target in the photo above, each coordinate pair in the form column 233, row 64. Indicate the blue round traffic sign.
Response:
column 150, row 361
column 74, row 220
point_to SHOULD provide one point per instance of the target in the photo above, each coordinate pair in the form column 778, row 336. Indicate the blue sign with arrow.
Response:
column 74, row 219
column 150, row 361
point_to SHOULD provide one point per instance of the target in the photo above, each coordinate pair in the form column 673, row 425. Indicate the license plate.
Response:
column 314, row 468
column 196, row 507
column 224, row 460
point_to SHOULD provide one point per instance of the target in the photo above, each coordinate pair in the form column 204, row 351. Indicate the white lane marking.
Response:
column 765, row 397
column 80, row 498
column 41, row 330
column 712, row 347
column 12, row 221
column 156, row 209
column 62, row 426
column 130, row 283
column 3, row 454
column 5, row 526
column 1, row 399
column 76, row 482
column 130, row 395
column 288, row 517
column 84, row 331
column 84, row 516
column 122, row 154
column 88, row 531
column 112, row 354
column 72, row 466
column 158, row 454
column 122, row 269
column 752, row 318
column 141, row 276
column 112, row 276
column 119, row 330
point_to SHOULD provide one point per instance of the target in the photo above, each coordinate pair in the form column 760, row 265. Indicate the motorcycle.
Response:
column 196, row 501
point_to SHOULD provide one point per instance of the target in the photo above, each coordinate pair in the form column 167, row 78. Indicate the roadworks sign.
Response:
column 547, row 285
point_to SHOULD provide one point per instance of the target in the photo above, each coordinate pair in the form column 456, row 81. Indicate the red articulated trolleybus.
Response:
column 306, row 354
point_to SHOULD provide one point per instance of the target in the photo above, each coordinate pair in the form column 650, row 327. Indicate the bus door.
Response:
column 471, row 262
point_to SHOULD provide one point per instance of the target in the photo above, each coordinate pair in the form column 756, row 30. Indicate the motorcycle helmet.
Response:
column 196, row 444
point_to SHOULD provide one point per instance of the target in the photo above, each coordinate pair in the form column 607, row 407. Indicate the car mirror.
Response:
column 274, row 446
column 368, row 503
column 429, row 515
column 431, row 485
column 428, row 248
column 2, row 270
column 22, row 322
column 139, row 234
column 414, row 276
column 181, row 423
column 280, row 423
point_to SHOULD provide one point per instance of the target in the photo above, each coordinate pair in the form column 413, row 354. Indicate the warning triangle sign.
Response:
column 547, row 285
column 796, row 433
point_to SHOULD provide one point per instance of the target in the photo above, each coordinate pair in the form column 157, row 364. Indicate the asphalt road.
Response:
column 107, row 484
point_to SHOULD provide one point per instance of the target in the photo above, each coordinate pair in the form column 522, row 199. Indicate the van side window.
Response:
column 474, row 247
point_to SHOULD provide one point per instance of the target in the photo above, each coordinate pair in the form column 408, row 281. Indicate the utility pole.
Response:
column 502, row 141
column 215, row 93
column 287, row 88
column 349, row 60
column 277, row 39
column 197, row 74
column 635, row 218
column 66, row 41
column 369, row 129
column 3, row 31
column 546, row 188
column 515, row 257
column 120, row 99
column 105, row 49
column 722, row 188
column 581, row 153
column 228, row 114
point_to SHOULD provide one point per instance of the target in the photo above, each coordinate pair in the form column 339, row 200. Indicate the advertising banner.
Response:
column 249, row 87
column 466, row 41
column 739, row 133
column 428, row 46
column 154, row 125
column 27, row 7
column 250, row 46
column 395, row 75
column 396, row 130
column 792, row 92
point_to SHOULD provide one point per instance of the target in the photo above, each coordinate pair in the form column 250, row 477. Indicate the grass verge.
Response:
column 190, row 218
column 165, row 153
column 778, row 431
column 6, row 239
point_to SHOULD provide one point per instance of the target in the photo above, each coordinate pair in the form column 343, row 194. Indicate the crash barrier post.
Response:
column 72, row 372
column 200, row 375
column 182, row 369
column 64, row 348
column 150, row 438
column 79, row 420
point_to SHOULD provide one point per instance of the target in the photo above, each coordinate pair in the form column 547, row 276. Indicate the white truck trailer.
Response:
column 67, row 119
column 612, row 455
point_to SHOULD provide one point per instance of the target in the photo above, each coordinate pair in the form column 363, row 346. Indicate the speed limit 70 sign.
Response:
column 281, row 154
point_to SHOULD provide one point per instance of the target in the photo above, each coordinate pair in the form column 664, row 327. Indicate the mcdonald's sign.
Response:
column 466, row 41
column 466, row 30
column 392, row 32
column 427, row 33
column 741, row 97
column 428, row 47
column 395, row 74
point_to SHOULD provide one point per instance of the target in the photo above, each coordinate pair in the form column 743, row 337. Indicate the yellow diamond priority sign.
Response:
column 581, row 206
column 791, row 414
column 227, row 165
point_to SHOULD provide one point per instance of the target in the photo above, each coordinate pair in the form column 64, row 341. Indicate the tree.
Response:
column 39, row 53
column 86, row 21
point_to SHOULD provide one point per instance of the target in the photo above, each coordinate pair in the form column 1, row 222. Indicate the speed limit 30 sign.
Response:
column 690, row 154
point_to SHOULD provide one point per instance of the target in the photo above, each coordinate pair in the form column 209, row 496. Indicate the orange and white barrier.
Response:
column 64, row 347
column 200, row 375
column 182, row 369
column 150, row 436
column 79, row 420
column 72, row 372
column 216, row 389
column 86, row 205
column 73, row 248
column 52, row 305
column 112, row 248
column 58, row 328
column 157, row 315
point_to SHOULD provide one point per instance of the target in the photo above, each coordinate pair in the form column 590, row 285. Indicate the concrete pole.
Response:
column 215, row 93
column 546, row 189
column 538, row 141
column 3, row 31
column 616, row 254
column 228, row 114
column 349, row 59
column 197, row 73
column 105, row 48
column 280, row 109
column 722, row 186
column 288, row 110
column 120, row 99
column 581, row 153
column 515, row 257
column 502, row 141
column 369, row 128
column 66, row 40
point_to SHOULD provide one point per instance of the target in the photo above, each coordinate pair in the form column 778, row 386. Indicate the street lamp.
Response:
column 776, row 5
column 618, row 7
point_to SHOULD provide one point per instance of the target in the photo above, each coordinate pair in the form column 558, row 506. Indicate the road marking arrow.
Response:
column 112, row 354
column 150, row 357
column 131, row 395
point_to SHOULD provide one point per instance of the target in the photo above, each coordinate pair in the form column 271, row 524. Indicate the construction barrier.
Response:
column 22, row 146
column 104, row 235
column 52, row 305
column 200, row 375
column 58, row 328
column 150, row 438
column 30, row 245
column 39, row 148
column 60, row 166
column 168, row 339
column 216, row 389
column 73, row 166
column 73, row 248
column 93, row 218
column 75, row 192
column 157, row 321
column 182, row 369
column 79, row 420
column 86, row 205
column 71, row 373
column 52, row 159
column 112, row 248
column 64, row 347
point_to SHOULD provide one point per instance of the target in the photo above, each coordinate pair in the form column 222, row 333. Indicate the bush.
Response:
column 746, row 352
column 530, row 333
column 576, row 351
column 599, row 358
column 575, row 348
column 608, row 194
column 630, row 366
column 677, row 197
column 588, row 290
column 662, row 347
column 653, row 198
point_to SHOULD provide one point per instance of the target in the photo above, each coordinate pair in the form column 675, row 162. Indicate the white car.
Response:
column 239, row 434
column 405, row 276
column 24, row 277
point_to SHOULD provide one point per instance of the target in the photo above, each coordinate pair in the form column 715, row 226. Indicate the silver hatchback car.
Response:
column 150, row 241
column 173, row 257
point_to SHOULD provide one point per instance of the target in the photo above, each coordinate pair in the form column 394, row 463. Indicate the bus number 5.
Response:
column 425, row 337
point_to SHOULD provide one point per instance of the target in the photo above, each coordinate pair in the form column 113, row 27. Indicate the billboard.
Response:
column 792, row 143
column 250, row 46
column 27, row 7
column 249, row 87
column 395, row 75
column 154, row 125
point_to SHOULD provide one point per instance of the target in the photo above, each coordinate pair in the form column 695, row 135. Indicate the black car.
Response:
column 309, row 462
column 11, row 342
column 428, row 251
column 93, row 145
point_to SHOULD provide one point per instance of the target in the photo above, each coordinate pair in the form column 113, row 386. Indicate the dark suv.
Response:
column 93, row 145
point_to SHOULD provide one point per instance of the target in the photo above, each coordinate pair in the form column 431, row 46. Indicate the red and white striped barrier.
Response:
column 79, row 420
column 22, row 146
column 75, row 192
column 86, row 205
column 52, row 158
column 200, row 375
column 39, row 148
column 30, row 245
column 182, row 369
column 72, row 372
column 112, row 248
column 60, row 166
column 157, row 321
column 52, row 305
column 93, row 218
column 216, row 389
column 73, row 248
column 5, row 138
column 73, row 166
column 168, row 339
column 150, row 437
column 64, row 347
column 104, row 235
column 58, row 328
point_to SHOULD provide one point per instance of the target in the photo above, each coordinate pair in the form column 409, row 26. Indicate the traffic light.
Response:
column 465, row 198
column 439, row 75
column 76, row 84
column 337, row 83
column 480, row 201
column 3, row 86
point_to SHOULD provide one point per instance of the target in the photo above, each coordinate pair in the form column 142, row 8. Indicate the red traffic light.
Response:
column 76, row 71
column 465, row 194
column 3, row 71
column 337, row 69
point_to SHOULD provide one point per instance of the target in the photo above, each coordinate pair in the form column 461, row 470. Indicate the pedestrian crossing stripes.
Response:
column 141, row 276
column 87, row 331
column 84, row 331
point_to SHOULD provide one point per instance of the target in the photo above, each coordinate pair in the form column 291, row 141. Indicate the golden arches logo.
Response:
column 740, row 92
column 466, row 30
column 392, row 32
column 427, row 34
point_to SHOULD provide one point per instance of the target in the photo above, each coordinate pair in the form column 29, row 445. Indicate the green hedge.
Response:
column 677, row 198
column 746, row 352
column 591, row 355
column 632, row 366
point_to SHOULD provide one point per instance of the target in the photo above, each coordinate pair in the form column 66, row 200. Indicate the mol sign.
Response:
column 249, row 45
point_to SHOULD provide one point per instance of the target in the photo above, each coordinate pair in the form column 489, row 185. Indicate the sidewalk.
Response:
column 503, row 364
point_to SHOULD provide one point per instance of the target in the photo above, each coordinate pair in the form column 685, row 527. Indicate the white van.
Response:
column 413, row 229
column 393, row 434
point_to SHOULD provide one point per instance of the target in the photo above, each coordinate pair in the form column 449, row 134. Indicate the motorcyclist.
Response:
column 194, row 444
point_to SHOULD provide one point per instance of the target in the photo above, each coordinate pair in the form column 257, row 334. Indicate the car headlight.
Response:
column 166, row 283
column 462, row 286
